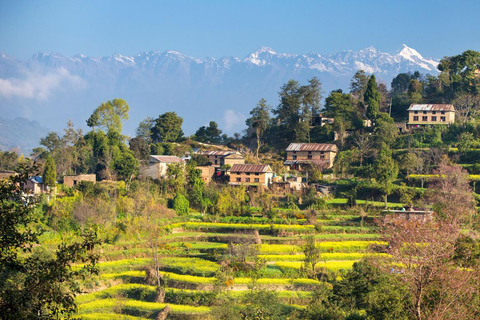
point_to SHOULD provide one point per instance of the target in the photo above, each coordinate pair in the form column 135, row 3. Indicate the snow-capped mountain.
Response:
column 52, row 88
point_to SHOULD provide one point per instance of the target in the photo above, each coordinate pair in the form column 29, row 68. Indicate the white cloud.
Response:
column 233, row 121
column 38, row 86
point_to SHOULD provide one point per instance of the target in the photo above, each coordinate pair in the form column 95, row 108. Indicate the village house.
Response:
column 222, row 158
column 35, row 185
column 302, row 154
column 73, row 180
column 420, row 115
column 251, row 174
column 157, row 166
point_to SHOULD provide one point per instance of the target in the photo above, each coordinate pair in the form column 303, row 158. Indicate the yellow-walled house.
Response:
column 420, row 115
column 251, row 174
column 299, row 154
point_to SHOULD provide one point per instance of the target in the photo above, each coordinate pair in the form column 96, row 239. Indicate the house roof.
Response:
column 217, row 153
column 36, row 179
column 234, row 156
column 431, row 107
column 165, row 159
column 260, row 168
column 312, row 147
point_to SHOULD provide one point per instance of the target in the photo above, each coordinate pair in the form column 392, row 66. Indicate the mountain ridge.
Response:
column 52, row 88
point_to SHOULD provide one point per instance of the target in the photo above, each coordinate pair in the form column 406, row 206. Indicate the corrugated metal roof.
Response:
column 312, row 147
column 261, row 168
column 165, row 159
column 217, row 153
column 431, row 107
column 234, row 156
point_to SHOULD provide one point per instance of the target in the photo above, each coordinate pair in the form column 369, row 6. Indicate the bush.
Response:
column 181, row 204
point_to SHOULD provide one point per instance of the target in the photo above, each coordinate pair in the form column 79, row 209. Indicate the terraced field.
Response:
column 191, row 256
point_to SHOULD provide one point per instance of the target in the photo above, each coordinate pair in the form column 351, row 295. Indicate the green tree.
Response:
column 52, row 141
column 126, row 165
column 50, row 172
column 372, row 98
column 36, row 284
column 385, row 130
column 167, row 128
column 385, row 171
column 259, row 120
column 340, row 106
column 110, row 115
column 312, row 255
column 211, row 133
column 140, row 148
column 144, row 129
column 358, row 85
column 181, row 204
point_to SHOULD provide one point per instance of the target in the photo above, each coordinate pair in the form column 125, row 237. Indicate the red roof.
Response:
column 261, row 168
column 312, row 147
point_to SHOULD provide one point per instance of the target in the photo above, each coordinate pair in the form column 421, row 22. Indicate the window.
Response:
column 294, row 157
column 309, row 152
column 322, row 157
column 247, row 179
column 442, row 119
column 247, row 173
column 416, row 112
column 256, row 180
column 239, row 179
column 424, row 112
column 424, row 118
column 443, row 112
column 434, row 118
column 415, row 118
column 434, row 112
column 257, row 174
column 309, row 156
column 215, row 157
column 294, row 152
column 216, row 161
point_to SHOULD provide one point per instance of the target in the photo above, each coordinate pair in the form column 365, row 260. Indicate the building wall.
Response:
column 448, row 115
column 207, row 173
column 231, row 162
column 154, row 170
column 70, row 181
column 242, row 178
column 329, row 156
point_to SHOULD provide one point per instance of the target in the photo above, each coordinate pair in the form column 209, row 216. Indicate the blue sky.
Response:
column 235, row 28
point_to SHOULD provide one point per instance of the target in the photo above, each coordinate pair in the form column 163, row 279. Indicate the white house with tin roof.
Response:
column 301, row 154
column 420, row 115
column 157, row 166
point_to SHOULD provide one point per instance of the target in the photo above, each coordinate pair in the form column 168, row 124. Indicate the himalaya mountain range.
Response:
column 52, row 88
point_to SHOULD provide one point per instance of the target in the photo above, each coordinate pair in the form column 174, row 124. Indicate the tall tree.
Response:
column 110, row 115
column 385, row 171
column 358, row 85
column 50, row 172
column 258, row 122
column 290, row 100
column 36, row 284
column 372, row 98
column 311, row 97
column 144, row 129
column 167, row 128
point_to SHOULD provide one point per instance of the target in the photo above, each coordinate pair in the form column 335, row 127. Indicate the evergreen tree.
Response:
column 50, row 172
column 259, row 121
column 167, row 128
column 372, row 98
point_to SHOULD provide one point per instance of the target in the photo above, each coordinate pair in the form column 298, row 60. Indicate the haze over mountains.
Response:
column 51, row 88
